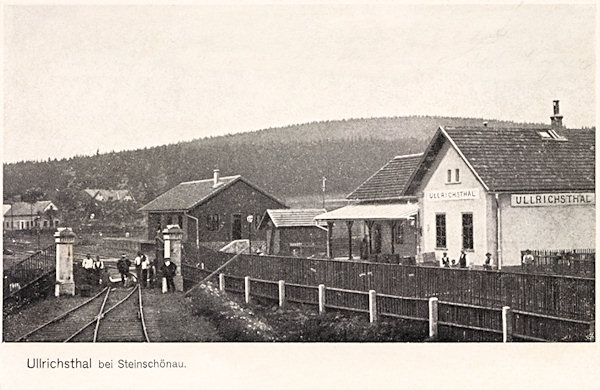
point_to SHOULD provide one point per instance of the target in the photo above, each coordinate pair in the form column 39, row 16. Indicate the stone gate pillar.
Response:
column 172, row 236
column 65, row 284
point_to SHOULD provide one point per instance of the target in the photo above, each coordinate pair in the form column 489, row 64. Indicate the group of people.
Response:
column 146, row 271
column 93, row 269
column 462, row 261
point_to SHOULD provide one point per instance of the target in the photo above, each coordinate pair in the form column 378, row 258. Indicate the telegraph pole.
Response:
column 323, row 190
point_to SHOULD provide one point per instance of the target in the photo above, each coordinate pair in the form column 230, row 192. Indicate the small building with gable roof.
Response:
column 293, row 231
column 28, row 216
column 211, row 210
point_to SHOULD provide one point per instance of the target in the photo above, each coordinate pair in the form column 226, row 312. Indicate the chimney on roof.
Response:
column 216, row 177
column 556, row 119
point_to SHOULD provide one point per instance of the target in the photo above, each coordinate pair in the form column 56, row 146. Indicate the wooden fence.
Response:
column 449, row 321
column 561, row 296
column 580, row 262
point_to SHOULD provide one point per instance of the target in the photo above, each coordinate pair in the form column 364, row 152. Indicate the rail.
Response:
column 64, row 334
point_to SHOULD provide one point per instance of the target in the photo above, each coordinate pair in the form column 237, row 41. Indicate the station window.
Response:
column 456, row 176
column 212, row 222
column 467, row 230
column 440, row 230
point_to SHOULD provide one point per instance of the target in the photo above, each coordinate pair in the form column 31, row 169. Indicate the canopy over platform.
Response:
column 371, row 212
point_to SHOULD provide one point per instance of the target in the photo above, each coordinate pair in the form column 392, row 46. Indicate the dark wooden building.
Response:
column 293, row 231
column 211, row 210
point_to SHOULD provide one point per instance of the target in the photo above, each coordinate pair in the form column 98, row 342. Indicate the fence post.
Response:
column 507, row 324
column 372, row 306
column 281, row 293
column 247, row 289
column 433, row 318
column 321, row 298
column 222, row 282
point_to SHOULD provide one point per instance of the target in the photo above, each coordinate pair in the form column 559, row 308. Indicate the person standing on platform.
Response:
column 168, row 271
column 123, row 267
column 98, row 269
column 445, row 260
column 138, row 267
column 88, row 268
column 462, row 260
column 488, row 261
column 145, row 265
column 528, row 261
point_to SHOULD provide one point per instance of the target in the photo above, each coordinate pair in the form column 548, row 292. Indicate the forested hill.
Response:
column 285, row 161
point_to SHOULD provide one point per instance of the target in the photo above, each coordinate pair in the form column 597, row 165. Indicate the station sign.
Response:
column 553, row 199
column 458, row 194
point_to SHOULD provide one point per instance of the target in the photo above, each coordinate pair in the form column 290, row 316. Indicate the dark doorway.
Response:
column 377, row 238
column 236, row 227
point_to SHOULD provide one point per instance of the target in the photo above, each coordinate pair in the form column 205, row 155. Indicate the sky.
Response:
column 81, row 79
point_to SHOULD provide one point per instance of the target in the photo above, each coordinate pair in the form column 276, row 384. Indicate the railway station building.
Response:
column 211, row 210
column 388, row 218
column 505, row 190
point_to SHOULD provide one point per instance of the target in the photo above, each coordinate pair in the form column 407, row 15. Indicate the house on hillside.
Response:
column 103, row 195
column 388, row 216
column 293, row 231
column 28, row 216
column 211, row 210
column 505, row 190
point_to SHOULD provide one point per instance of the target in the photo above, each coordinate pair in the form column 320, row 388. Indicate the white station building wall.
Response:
column 454, row 198
column 546, row 224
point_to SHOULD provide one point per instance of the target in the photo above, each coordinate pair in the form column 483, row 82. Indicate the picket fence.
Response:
column 552, row 295
column 449, row 321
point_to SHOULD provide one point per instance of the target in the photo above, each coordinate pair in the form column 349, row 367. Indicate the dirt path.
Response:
column 172, row 318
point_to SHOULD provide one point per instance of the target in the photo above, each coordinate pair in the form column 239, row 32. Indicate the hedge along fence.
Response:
column 562, row 296
column 447, row 320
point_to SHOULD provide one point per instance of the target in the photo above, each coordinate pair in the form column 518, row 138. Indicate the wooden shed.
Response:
column 293, row 232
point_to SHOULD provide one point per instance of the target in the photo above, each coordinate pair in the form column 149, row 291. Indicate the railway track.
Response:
column 112, row 315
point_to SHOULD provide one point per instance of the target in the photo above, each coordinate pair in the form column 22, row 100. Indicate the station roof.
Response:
column 389, row 181
column 518, row 159
column 288, row 218
column 372, row 212
column 188, row 195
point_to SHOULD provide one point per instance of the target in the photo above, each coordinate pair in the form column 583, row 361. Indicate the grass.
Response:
column 233, row 321
column 262, row 321
column 300, row 323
